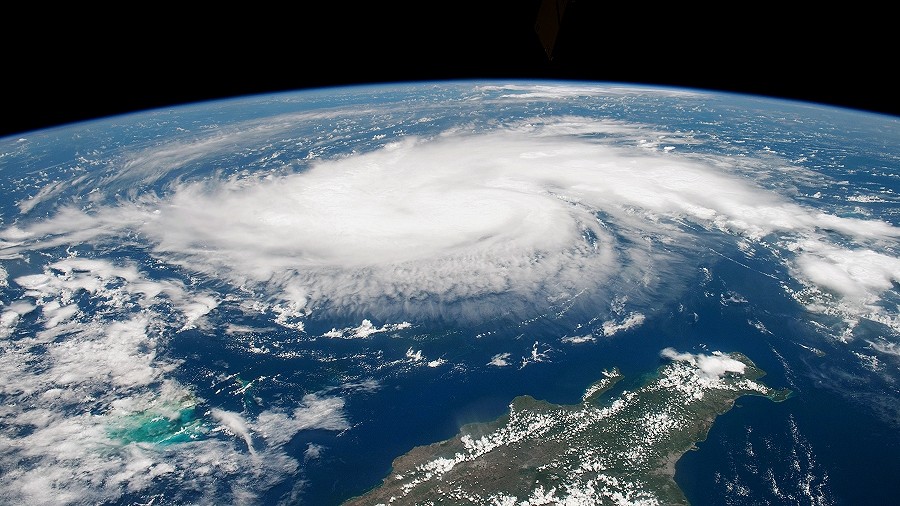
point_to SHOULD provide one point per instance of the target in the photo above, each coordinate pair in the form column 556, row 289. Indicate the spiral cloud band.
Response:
column 515, row 216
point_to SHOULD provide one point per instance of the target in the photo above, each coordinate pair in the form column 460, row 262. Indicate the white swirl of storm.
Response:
column 441, row 221
column 512, row 216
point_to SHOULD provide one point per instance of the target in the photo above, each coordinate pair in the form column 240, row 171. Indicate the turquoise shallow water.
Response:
column 158, row 428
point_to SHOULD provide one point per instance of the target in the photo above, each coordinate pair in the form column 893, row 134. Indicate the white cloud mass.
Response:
column 713, row 366
column 510, row 216
column 80, row 389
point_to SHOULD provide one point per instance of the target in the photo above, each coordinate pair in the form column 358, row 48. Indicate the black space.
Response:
column 64, row 66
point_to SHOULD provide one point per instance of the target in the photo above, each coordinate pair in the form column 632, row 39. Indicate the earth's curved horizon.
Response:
column 269, row 299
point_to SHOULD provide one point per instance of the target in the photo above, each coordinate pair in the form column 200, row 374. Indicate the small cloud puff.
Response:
column 500, row 360
column 365, row 329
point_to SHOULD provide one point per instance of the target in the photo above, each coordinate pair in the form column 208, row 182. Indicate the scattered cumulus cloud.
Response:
column 366, row 385
column 313, row 451
column 859, row 275
column 887, row 348
column 587, row 338
column 437, row 362
column 365, row 329
column 315, row 412
column 537, row 355
column 500, row 360
column 630, row 321
column 713, row 366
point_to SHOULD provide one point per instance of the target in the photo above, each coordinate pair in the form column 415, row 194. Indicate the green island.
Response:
column 600, row 451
